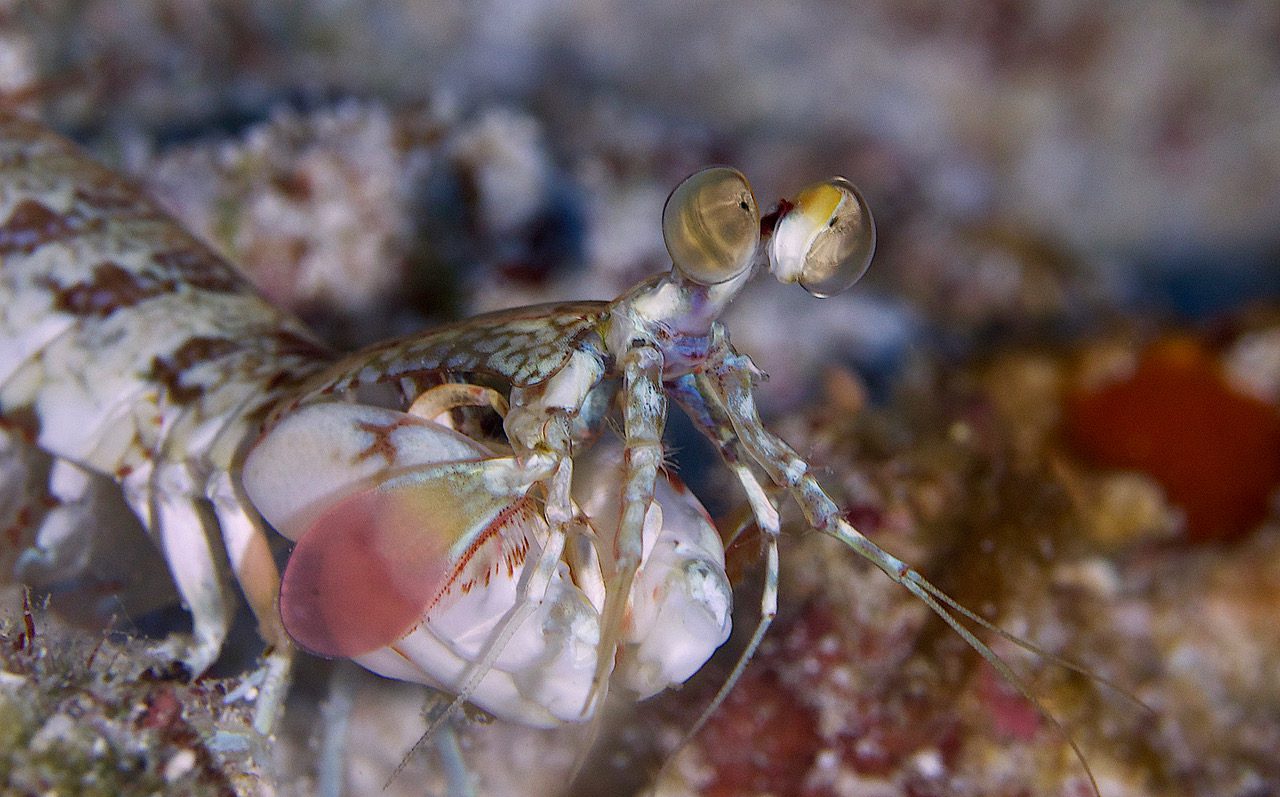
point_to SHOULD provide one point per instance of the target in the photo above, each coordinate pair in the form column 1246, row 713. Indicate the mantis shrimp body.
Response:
column 129, row 352
column 598, row 571
column 464, row 513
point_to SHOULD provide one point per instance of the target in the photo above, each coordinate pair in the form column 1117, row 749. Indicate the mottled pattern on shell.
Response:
column 526, row 346
column 104, row 299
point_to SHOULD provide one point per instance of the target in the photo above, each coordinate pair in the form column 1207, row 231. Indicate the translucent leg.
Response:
column 768, row 609
column 711, row 419
column 644, row 414
column 728, row 382
column 335, row 721
column 460, row 781
column 458, row 775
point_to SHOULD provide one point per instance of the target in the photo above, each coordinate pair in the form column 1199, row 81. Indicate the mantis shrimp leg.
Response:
column 644, row 413
column 728, row 380
column 710, row 418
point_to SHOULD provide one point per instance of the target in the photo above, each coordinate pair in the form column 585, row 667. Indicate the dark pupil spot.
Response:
column 742, row 203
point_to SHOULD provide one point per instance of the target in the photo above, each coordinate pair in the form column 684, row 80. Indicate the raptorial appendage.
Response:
column 417, row 541
column 463, row 512
column 479, row 542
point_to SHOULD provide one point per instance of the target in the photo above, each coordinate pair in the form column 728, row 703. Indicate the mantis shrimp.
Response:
column 464, row 514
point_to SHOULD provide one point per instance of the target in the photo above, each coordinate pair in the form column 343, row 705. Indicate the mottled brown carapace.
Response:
column 131, row 352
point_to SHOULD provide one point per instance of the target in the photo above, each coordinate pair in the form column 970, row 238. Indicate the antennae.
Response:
column 1030, row 647
column 729, row 384
column 925, row 591
column 938, row 601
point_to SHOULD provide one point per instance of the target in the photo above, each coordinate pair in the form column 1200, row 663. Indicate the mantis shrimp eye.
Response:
column 826, row 240
column 711, row 225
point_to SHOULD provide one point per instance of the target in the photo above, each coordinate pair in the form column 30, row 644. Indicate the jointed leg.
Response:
column 728, row 382
column 550, row 452
column 169, row 507
column 644, row 415
column 710, row 418
column 442, row 398
column 254, row 568
column 535, row 583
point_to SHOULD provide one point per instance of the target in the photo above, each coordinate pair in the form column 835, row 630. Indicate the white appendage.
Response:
column 542, row 672
column 680, row 603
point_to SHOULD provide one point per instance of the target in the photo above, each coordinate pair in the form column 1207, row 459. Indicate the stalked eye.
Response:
column 711, row 225
column 826, row 241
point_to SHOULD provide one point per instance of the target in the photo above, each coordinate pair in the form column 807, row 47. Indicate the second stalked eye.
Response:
column 711, row 225
column 826, row 241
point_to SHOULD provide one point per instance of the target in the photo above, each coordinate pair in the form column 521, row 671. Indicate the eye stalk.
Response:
column 826, row 240
column 711, row 225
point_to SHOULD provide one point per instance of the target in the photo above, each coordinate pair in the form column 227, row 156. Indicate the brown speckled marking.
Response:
column 525, row 346
column 381, row 445
column 199, row 269
column 111, row 288
column 289, row 342
column 21, row 521
column 21, row 422
column 169, row 371
column 32, row 225
column 108, row 194
column 131, row 349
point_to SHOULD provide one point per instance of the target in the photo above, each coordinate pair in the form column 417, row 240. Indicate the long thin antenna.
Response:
column 1030, row 647
column 925, row 591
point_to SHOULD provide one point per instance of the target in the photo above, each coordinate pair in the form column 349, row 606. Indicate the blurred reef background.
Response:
column 1057, row 391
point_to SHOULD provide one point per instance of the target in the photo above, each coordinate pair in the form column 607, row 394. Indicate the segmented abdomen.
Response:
column 123, row 339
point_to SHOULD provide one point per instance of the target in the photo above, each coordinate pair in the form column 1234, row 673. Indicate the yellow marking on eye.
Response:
column 818, row 203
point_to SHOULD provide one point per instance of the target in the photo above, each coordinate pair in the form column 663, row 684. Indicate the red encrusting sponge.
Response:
column 1214, row 449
